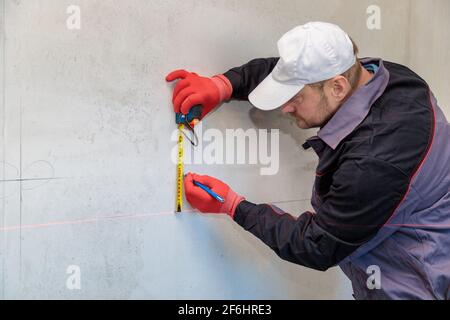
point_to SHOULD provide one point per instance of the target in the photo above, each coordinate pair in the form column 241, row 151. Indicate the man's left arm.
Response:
column 362, row 197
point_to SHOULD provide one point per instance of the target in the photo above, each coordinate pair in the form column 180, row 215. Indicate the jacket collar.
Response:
column 356, row 108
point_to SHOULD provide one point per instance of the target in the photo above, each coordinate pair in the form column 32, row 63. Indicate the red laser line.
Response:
column 98, row 219
column 144, row 215
column 84, row 221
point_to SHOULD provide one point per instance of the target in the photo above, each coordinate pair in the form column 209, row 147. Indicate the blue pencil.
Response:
column 209, row 191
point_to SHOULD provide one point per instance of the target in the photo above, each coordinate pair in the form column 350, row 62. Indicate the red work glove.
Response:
column 194, row 90
column 201, row 200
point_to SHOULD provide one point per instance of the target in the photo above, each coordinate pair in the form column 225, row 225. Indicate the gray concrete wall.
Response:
column 429, row 46
column 86, row 146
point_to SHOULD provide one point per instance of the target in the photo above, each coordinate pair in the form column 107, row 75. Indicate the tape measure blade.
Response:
column 180, row 164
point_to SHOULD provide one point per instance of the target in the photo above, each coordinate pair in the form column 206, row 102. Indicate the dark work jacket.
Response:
column 381, row 196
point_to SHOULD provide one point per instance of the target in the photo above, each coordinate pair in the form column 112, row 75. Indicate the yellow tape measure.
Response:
column 190, row 120
column 180, row 164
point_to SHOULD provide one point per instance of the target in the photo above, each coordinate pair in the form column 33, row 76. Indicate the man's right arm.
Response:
column 247, row 77
column 237, row 83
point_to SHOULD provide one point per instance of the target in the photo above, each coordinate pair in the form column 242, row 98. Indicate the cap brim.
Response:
column 271, row 94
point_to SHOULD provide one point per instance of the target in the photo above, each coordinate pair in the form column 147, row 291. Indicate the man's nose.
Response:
column 288, row 109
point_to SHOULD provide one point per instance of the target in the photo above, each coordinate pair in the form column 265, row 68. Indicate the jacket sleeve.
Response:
column 247, row 77
column 362, row 197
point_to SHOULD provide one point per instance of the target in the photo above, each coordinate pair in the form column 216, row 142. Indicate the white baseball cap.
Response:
column 310, row 53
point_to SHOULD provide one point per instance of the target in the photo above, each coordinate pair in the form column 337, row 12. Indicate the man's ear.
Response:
column 340, row 88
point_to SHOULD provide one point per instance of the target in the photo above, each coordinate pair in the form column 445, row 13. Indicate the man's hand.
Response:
column 195, row 90
column 201, row 200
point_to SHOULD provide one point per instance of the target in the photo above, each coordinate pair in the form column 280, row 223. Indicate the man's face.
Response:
column 311, row 107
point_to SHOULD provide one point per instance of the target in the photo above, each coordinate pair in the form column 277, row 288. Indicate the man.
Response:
column 382, row 190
